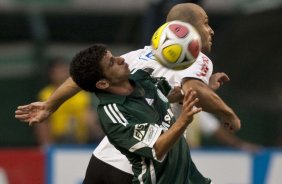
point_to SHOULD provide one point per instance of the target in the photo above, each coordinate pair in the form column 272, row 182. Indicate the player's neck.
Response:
column 125, row 88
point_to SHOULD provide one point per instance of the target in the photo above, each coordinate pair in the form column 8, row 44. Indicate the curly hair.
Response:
column 85, row 67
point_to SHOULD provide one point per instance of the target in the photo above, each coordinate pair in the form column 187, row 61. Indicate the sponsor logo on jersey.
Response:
column 150, row 101
column 145, row 133
column 150, row 55
column 147, row 56
column 204, row 67
column 139, row 131
column 150, row 135
column 166, row 123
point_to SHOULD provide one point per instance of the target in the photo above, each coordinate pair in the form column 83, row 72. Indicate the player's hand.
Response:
column 217, row 80
column 35, row 112
column 175, row 95
column 188, row 107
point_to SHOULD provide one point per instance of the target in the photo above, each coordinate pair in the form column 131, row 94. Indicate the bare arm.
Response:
column 231, row 140
column 175, row 95
column 216, row 80
column 61, row 94
column 168, row 139
column 37, row 112
column 212, row 103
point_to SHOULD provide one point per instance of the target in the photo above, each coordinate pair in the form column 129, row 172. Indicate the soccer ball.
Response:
column 176, row 45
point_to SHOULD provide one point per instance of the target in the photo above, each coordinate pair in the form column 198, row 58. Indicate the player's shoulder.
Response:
column 202, row 61
column 202, row 58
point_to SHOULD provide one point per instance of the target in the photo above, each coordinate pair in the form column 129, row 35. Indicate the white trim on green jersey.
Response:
column 115, row 115
column 107, row 153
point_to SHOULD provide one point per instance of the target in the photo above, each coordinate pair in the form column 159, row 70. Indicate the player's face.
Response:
column 205, row 31
column 114, row 68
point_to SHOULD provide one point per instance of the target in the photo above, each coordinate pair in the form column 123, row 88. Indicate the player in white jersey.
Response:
column 201, row 69
column 197, row 79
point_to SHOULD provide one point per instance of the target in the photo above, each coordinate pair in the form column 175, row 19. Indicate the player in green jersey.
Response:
column 137, row 119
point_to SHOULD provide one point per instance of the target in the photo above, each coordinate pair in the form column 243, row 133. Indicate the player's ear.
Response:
column 102, row 84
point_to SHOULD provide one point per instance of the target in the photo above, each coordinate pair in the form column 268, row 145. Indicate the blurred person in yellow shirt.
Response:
column 72, row 123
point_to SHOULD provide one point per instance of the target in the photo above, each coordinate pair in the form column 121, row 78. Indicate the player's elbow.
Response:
column 159, row 154
column 195, row 84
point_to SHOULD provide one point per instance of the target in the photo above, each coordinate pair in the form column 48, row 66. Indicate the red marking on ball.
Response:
column 194, row 48
column 179, row 30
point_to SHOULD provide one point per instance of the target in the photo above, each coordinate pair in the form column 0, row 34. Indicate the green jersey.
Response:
column 133, row 124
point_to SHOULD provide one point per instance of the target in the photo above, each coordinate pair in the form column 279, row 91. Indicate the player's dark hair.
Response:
column 85, row 67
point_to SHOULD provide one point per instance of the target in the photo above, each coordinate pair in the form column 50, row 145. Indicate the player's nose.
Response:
column 211, row 32
column 120, row 60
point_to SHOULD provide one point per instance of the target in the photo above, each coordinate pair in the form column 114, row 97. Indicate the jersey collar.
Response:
column 107, row 98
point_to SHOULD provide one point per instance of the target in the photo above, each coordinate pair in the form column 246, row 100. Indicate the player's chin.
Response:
column 127, row 70
column 126, row 66
column 209, row 47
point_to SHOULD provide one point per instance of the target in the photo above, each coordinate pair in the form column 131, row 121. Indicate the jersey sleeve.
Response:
column 201, row 69
column 126, row 132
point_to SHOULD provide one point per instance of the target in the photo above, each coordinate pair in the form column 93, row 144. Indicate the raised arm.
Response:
column 211, row 102
column 169, row 138
column 63, row 93
column 37, row 112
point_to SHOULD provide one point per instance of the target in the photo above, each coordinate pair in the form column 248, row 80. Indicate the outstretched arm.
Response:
column 37, row 112
column 211, row 102
column 65, row 91
column 231, row 140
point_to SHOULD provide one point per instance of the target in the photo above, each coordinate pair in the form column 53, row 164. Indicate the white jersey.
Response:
column 201, row 69
column 143, row 59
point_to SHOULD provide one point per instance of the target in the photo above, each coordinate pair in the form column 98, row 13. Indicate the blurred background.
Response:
column 246, row 45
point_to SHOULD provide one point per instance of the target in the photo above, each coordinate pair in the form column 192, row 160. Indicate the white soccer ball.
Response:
column 176, row 45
